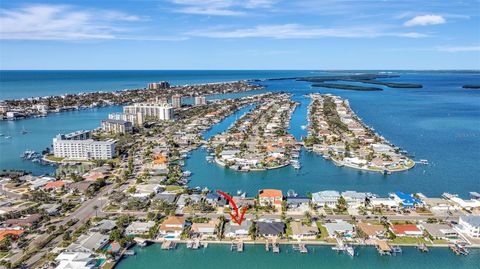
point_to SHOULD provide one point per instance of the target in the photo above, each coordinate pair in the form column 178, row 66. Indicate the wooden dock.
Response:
column 300, row 248
column 168, row 245
column 383, row 247
column 275, row 247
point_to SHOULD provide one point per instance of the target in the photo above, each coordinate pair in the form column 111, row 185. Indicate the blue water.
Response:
column 22, row 84
column 440, row 122
column 220, row 257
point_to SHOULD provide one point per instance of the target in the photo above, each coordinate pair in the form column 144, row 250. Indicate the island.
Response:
column 259, row 140
column 335, row 132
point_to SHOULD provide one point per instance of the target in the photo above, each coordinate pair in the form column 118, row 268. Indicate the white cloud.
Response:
column 459, row 48
column 221, row 7
column 60, row 22
column 290, row 31
column 424, row 20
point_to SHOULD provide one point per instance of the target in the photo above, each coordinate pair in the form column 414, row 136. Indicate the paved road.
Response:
column 83, row 213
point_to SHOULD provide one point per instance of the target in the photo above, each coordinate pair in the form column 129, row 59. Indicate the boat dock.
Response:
column 129, row 252
column 422, row 247
column 300, row 248
column 459, row 249
column 193, row 244
column 237, row 245
column 168, row 245
column 275, row 247
column 383, row 247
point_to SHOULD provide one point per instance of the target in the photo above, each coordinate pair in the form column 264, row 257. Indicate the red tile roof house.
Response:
column 406, row 230
column 54, row 185
column 270, row 197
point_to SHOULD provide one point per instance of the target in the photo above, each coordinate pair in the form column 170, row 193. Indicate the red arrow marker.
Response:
column 237, row 218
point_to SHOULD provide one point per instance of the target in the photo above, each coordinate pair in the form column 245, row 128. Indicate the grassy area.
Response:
column 288, row 230
column 52, row 158
column 108, row 265
column 440, row 242
column 173, row 188
column 3, row 254
column 323, row 231
column 408, row 240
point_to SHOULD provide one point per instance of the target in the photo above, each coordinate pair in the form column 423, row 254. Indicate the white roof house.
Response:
column 341, row 227
column 469, row 225
column 326, row 198
column 89, row 243
column 75, row 260
column 139, row 227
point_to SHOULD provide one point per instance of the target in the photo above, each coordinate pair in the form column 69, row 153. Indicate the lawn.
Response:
column 53, row 158
column 173, row 188
column 408, row 240
column 323, row 231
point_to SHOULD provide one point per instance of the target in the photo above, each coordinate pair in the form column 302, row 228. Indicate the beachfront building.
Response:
column 200, row 100
column 326, row 198
column 117, row 126
column 387, row 203
column 158, row 85
column 177, row 101
column 89, row 243
column 136, row 118
column 270, row 197
column 469, row 225
column 80, row 146
column 411, row 230
column 157, row 111
column 172, row 227
column 440, row 231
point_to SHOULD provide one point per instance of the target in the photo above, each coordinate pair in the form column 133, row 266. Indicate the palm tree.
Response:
column 95, row 207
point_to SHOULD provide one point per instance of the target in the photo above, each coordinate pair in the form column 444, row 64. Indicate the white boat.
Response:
column 187, row 173
column 303, row 127
column 350, row 251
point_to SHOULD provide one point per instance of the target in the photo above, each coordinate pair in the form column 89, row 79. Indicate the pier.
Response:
column 300, row 247
column 168, row 245
column 237, row 246
column 383, row 247
column 422, row 247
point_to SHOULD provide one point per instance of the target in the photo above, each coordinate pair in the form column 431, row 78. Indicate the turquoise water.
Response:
column 40, row 132
column 220, row 256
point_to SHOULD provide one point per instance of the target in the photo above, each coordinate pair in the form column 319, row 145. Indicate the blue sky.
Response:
column 235, row 34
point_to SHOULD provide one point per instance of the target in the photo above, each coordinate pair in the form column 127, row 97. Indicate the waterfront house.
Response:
column 326, row 198
column 299, row 204
column 303, row 231
column 340, row 227
column 406, row 200
column 40, row 182
column 172, row 227
column 241, row 201
column 465, row 204
column 469, row 225
column 89, row 243
column 371, row 231
column 139, row 227
column 204, row 230
column 185, row 199
column 440, row 231
column 384, row 203
column 438, row 204
column 229, row 154
column 270, row 228
column 215, row 199
column 234, row 230
column 406, row 230
column 270, row 197
column 80, row 260
column 355, row 199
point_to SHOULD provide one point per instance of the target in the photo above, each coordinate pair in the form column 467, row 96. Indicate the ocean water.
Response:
column 23, row 84
column 255, row 257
